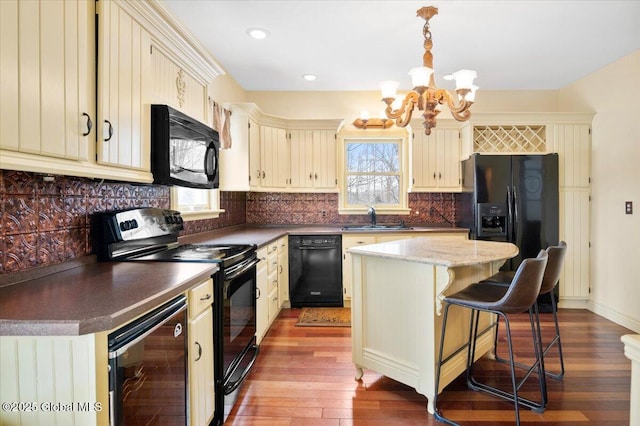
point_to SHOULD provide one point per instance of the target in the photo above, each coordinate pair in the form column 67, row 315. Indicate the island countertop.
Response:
column 440, row 251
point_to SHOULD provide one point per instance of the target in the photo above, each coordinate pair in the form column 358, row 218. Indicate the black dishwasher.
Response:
column 315, row 270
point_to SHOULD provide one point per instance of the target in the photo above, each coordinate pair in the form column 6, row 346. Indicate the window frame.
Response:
column 393, row 135
column 211, row 211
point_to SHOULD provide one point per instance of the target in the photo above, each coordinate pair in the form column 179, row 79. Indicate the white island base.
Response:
column 396, row 306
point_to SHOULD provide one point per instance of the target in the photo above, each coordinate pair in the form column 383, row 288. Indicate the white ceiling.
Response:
column 353, row 45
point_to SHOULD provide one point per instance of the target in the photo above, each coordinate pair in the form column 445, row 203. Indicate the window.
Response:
column 374, row 174
column 196, row 203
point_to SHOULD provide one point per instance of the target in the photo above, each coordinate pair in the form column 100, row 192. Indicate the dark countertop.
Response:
column 95, row 297
column 92, row 297
column 263, row 235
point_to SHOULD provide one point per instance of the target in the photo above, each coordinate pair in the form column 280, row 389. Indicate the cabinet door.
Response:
column 201, row 380
column 172, row 85
column 302, row 158
column 274, row 153
column 283, row 270
column 255, row 165
column 324, row 159
column 573, row 142
column 123, row 76
column 262, row 303
column 46, row 64
column 448, row 159
column 436, row 160
column 349, row 241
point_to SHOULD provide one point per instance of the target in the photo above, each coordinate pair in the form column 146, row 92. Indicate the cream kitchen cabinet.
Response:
column 201, row 378
column 283, row 272
column 313, row 160
column 47, row 101
column 41, row 371
column 572, row 142
column 273, row 171
column 235, row 173
column 435, row 162
column 358, row 239
column 262, row 296
column 123, row 88
column 272, row 282
column 173, row 84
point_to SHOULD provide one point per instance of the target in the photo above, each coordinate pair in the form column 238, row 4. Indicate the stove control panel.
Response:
column 143, row 223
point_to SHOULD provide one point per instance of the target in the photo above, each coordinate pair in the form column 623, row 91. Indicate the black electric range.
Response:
column 151, row 234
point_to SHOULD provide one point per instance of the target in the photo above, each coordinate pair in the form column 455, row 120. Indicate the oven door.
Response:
column 148, row 368
column 239, row 323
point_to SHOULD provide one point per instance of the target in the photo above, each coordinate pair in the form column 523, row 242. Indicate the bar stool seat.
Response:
column 518, row 297
column 549, row 282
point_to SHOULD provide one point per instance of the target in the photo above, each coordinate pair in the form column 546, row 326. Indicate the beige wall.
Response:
column 225, row 89
column 613, row 93
column 347, row 105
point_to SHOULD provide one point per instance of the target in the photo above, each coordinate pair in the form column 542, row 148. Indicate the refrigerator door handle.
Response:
column 515, row 211
column 509, row 215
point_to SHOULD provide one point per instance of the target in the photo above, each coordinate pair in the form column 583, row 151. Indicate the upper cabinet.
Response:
column 435, row 160
column 123, row 88
column 47, row 101
column 274, row 158
column 313, row 159
column 50, row 94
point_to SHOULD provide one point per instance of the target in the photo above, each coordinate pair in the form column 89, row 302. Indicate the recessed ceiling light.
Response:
column 310, row 77
column 258, row 33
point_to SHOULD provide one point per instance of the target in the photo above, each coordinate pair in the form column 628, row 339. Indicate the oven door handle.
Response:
column 317, row 248
column 241, row 269
column 230, row 387
column 149, row 325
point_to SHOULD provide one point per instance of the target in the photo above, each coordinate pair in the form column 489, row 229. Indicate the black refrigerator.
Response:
column 512, row 198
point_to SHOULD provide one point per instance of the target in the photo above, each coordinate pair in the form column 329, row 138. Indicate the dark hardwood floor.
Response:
column 304, row 376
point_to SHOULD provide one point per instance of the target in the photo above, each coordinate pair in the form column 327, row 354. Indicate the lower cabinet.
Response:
column 272, row 284
column 353, row 240
column 262, row 294
column 50, row 380
column 201, row 379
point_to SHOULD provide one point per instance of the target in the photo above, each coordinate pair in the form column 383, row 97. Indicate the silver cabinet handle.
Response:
column 206, row 297
column 110, row 131
column 257, row 293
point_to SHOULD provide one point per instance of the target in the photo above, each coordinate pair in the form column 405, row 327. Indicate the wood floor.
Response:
column 304, row 376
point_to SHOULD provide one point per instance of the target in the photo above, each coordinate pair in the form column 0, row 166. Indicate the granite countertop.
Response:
column 450, row 252
column 94, row 297
column 263, row 235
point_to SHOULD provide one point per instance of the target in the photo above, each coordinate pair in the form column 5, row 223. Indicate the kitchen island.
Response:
column 396, row 306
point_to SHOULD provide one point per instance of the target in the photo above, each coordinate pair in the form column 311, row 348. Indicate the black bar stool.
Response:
column 549, row 282
column 519, row 297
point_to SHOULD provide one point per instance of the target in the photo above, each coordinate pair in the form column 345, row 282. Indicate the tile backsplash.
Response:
column 48, row 222
column 43, row 223
column 312, row 208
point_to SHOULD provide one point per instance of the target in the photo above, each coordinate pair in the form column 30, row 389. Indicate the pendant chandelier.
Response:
column 424, row 94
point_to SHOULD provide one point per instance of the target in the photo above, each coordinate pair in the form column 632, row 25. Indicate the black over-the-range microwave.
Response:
column 184, row 151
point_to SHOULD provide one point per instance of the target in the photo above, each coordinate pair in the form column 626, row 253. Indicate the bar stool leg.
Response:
column 555, row 340
column 436, row 413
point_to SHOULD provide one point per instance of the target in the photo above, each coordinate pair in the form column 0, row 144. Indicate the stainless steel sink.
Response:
column 375, row 227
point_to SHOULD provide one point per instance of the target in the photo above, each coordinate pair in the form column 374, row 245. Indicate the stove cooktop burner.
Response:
column 199, row 253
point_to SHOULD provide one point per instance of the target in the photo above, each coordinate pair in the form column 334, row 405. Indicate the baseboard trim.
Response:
column 617, row 317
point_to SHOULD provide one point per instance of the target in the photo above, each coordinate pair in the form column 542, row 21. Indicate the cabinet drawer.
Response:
column 272, row 262
column 272, row 281
column 200, row 298
column 283, row 245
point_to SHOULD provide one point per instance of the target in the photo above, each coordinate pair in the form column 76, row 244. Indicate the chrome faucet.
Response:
column 372, row 215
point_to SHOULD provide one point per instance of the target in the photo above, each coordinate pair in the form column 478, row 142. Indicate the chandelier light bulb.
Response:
column 420, row 76
column 388, row 89
column 464, row 78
